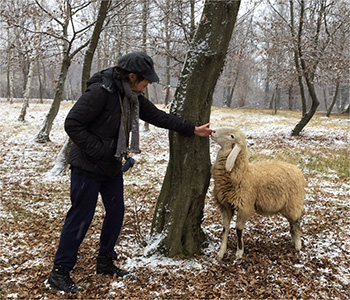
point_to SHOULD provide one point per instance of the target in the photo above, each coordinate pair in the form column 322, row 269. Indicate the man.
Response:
column 99, row 125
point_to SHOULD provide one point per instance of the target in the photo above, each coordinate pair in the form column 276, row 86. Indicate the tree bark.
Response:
column 43, row 136
column 179, row 210
column 325, row 98
column 346, row 110
column 167, row 46
column 329, row 110
column 10, row 59
column 40, row 81
column 296, row 57
column 273, row 97
column 290, row 97
column 193, row 21
column 61, row 162
column 89, row 54
column 308, row 76
column 228, row 100
column 144, row 45
column 308, row 116
column 28, row 87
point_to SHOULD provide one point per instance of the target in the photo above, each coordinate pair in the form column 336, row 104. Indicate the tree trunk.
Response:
column 179, row 210
column 308, row 78
column 28, row 87
column 344, row 91
column 266, row 92
column 329, row 110
column 40, row 81
column 43, row 136
column 273, row 97
column 61, row 162
column 308, row 116
column 167, row 45
column 325, row 98
column 346, row 110
column 29, row 76
column 290, row 97
column 228, row 93
column 155, row 94
column 146, row 124
column 144, row 46
column 302, row 94
column 193, row 20
column 9, row 82
column 278, row 100
column 296, row 57
column 89, row 54
column 10, row 61
column 228, row 101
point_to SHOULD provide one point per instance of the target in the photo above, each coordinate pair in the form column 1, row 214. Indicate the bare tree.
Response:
column 302, row 33
column 307, row 72
column 62, row 158
column 89, row 54
column 329, row 110
column 173, row 25
column 179, row 211
column 309, row 54
column 9, row 66
column 145, row 13
column 22, row 48
column 336, row 65
column 33, row 56
column 68, row 53
column 237, row 75
column 27, row 89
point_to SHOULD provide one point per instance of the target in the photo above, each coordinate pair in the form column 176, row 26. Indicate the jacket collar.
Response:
column 109, row 83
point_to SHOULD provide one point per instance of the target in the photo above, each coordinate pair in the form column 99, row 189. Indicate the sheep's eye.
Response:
column 232, row 136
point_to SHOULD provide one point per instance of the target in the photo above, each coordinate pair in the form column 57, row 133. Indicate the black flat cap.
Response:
column 138, row 63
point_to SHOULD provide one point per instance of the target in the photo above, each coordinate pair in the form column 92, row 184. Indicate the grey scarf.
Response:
column 130, row 119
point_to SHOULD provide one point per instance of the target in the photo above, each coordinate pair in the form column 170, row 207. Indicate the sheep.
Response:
column 266, row 188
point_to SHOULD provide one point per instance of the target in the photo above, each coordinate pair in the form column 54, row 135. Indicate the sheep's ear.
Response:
column 230, row 161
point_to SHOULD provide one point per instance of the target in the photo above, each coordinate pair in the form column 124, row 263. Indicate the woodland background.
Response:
column 284, row 58
column 260, row 69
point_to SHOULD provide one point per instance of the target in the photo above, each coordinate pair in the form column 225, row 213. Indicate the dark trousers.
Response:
column 84, row 194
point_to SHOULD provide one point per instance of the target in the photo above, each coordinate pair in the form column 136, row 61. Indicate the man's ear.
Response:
column 132, row 77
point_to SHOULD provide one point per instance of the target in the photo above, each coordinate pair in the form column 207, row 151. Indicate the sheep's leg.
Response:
column 240, row 243
column 295, row 233
column 226, row 214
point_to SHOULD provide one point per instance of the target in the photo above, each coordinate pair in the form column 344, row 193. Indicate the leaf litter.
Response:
column 33, row 208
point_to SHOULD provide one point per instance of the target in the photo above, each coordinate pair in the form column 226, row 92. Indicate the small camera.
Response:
column 128, row 164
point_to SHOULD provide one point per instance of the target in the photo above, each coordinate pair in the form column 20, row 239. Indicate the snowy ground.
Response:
column 33, row 207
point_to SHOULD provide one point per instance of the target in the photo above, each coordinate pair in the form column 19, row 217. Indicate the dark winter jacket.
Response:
column 93, row 125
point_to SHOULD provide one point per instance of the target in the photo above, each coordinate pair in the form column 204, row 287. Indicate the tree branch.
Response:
column 79, row 49
column 48, row 13
column 277, row 12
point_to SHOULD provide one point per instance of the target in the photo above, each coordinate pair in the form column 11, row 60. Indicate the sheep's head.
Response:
column 230, row 138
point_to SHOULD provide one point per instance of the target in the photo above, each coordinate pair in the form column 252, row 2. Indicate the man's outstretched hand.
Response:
column 203, row 130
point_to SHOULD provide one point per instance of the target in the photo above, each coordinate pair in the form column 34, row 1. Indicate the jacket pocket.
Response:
column 109, row 148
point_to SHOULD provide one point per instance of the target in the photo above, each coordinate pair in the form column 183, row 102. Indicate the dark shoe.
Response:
column 61, row 281
column 105, row 266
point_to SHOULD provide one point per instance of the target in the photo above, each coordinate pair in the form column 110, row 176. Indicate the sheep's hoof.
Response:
column 239, row 253
column 219, row 256
column 297, row 245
